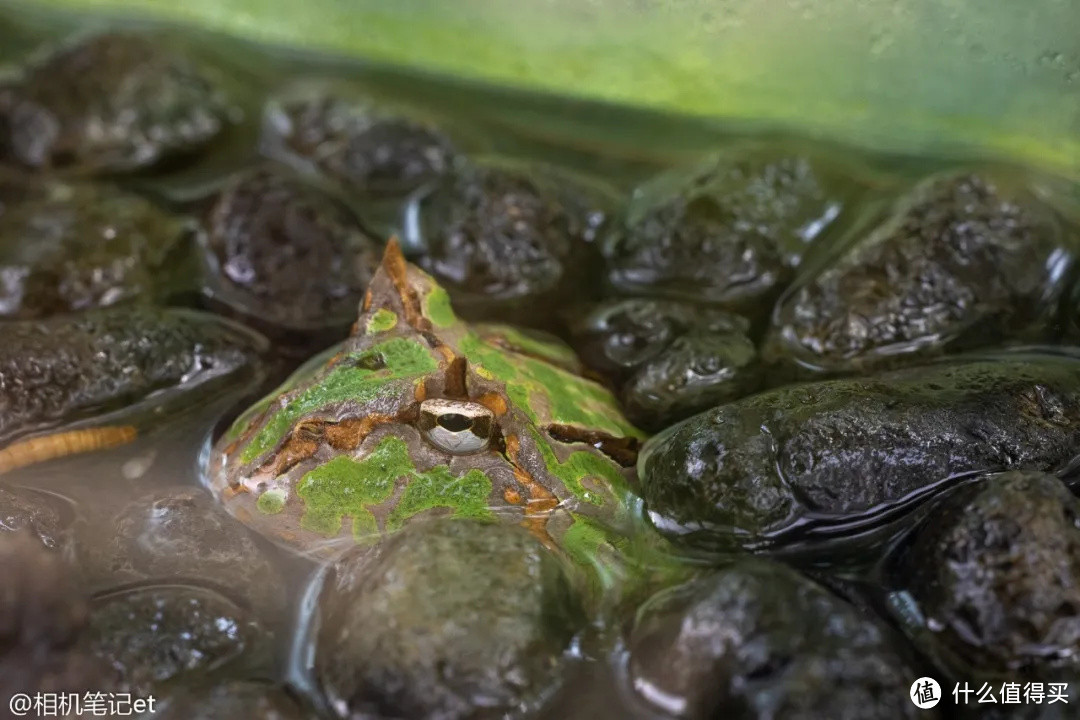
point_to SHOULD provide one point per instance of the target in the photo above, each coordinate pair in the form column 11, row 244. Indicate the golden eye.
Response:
column 456, row 426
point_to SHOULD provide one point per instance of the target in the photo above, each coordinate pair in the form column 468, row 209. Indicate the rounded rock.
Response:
column 448, row 619
column 178, row 534
column 152, row 635
column 756, row 640
column 727, row 231
column 995, row 572
column 280, row 251
column 111, row 102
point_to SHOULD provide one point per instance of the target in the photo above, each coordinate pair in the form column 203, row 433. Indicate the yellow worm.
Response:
column 39, row 449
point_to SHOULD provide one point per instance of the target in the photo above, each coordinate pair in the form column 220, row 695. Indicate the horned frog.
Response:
column 420, row 414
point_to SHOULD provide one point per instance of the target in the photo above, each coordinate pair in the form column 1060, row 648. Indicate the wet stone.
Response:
column 447, row 619
column 248, row 699
column 42, row 613
column 728, row 230
column 670, row 359
column 822, row 454
column 963, row 260
column 506, row 240
column 111, row 102
column 182, row 533
column 68, row 367
column 35, row 513
column 281, row 251
column 67, row 247
column 150, row 636
column 994, row 571
column 368, row 150
column 757, row 640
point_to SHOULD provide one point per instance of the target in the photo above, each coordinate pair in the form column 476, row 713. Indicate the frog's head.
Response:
column 418, row 413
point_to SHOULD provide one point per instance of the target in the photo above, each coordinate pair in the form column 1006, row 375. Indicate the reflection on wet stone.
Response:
column 835, row 450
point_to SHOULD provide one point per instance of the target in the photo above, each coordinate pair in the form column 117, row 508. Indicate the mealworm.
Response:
column 47, row 447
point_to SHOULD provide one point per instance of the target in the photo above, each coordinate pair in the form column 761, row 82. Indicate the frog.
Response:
column 418, row 414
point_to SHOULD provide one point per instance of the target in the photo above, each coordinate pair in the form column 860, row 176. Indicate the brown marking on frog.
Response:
column 73, row 442
column 456, row 386
column 309, row 435
column 304, row 440
column 623, row 450
column 494, row 402
column 347, row 435
column 540, row 501
column 396, row 268
column 512, row 496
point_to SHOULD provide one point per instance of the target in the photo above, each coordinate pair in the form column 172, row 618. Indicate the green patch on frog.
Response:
column 437, row 308
column 360, row 378
column 580, row 465
column 345, row 487
column 382, row 320
column 571, row 399
column 525, row 343
column 272, row 502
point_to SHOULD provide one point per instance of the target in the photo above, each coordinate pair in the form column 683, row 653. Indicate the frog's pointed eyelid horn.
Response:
column 392, row 283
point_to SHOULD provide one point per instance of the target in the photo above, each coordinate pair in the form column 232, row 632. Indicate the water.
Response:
column 609, row 145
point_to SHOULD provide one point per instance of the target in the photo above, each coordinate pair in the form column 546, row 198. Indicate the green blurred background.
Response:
column 916, row 76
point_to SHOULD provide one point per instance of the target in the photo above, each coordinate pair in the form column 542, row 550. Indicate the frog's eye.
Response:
column 456, row 426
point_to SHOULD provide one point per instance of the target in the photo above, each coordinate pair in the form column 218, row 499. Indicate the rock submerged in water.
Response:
column 670, row 359
column 994, row 571
column 964, row 260
column 152, row 635
column 181, row 534
column 746, row 472
column 72, row 247
column 368, row 150
column 728, row 231
column 509, row 243
column 69, row 367
column 447, row 619
column 111, row 102
column 283, row 253
column 756, row 640
column 35, row 513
